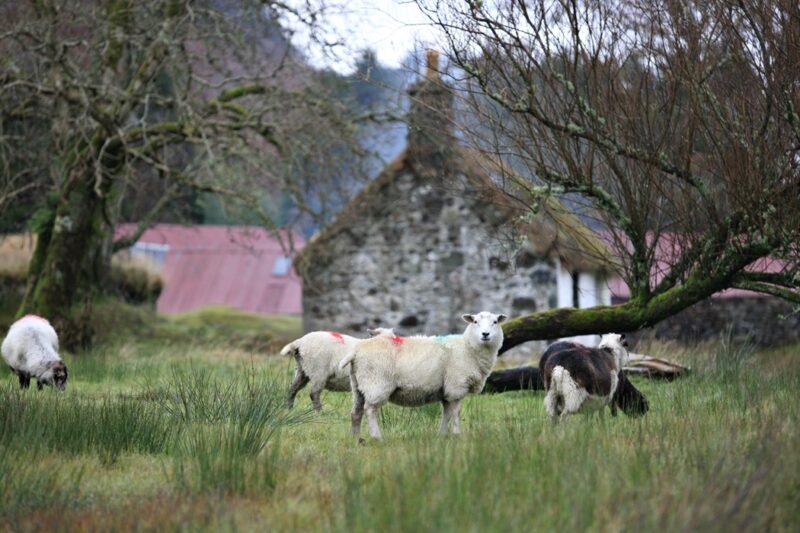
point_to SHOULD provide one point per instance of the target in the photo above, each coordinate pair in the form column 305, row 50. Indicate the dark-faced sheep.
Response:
column 579, row 379
column 31, row 351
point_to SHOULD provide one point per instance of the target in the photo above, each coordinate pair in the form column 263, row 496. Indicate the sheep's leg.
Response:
column 551, row 405
column 446, row 414
column 613, row 409
column 300, row 381
column 357, row 413
column 39, row 385
column 24, row 380
column 315, row 392
column 573, row 400
column 455, row 414
column 372, row 420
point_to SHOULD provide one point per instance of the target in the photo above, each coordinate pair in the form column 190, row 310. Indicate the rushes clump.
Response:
column 72, row 424
column 229, row 444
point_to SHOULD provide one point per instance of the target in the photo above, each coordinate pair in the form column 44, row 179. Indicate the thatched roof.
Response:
column 553, row 232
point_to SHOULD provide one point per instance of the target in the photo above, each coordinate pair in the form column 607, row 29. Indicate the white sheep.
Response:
column 412, row 371
column 31, row 350
column 317, row 356
column 579, row 379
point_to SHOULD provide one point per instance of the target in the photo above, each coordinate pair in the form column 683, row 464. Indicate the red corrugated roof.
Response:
column 669, row 250
column 225, row 265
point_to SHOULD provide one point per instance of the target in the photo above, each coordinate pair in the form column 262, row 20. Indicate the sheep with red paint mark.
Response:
column 317, row 356
column 413, row 371
column 31, row 351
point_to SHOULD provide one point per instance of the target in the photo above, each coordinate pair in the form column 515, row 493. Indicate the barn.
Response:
column 244, row 267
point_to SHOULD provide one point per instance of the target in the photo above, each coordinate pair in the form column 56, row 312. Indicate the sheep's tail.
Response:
column 557, row 378
column 557, row 381
column 289, row 348
column 347, row 359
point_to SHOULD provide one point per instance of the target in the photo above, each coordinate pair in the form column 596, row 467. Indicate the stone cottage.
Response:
column 433, row 237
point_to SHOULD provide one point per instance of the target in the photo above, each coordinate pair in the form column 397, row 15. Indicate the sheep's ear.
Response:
column 501, row 318
column 468, row 318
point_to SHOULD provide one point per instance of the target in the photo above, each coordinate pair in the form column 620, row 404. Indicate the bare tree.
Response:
column 673, row 123
column 98, row 97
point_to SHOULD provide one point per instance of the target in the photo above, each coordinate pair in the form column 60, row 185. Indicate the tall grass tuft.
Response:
column 72, row 424
column 229, row 444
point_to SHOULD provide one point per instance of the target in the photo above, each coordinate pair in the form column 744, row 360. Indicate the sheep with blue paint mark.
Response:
column 413, row 371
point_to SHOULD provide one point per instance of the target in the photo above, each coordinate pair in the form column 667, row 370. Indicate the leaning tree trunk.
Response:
column 637, row 313
column 60, row 277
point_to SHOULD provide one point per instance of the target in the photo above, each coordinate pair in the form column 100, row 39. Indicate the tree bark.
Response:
column 635, row 314
column 61, row 270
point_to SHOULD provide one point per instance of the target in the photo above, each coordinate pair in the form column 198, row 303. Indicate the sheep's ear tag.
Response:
column 468, row 318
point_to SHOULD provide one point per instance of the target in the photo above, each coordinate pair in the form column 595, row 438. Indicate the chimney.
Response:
column 430, row 121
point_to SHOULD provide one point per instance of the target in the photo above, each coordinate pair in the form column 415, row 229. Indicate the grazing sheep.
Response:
column 582, row 379
column 317, row 355
column 413, row 371
column 31, row 350
column 626, row 396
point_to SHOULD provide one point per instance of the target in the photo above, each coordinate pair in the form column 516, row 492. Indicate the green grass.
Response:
column 165, row 434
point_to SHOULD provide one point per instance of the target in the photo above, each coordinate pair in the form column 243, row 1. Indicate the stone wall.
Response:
column 416, row 259
column 757, row 319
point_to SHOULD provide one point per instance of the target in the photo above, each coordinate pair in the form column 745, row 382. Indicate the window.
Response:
column 155, row 253
column 282, row 265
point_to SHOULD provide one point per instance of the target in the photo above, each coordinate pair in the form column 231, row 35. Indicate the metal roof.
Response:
column 225, row 265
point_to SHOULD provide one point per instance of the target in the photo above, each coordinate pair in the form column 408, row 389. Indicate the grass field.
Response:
column 193, row 435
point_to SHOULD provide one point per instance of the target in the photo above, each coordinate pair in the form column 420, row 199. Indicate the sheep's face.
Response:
column 616, row 345
column 484, row 328
column 55, row 375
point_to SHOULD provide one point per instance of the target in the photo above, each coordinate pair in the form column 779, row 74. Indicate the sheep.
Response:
column 317, row 355
column 412, row 371
column 31, row 350
column 626, row 396
column 582, row 379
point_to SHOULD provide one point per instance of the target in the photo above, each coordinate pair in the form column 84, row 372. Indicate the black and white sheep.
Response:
column 317, row 356
column 626, row 396
column 31, row 351
column 579, row 379
column 412, row 371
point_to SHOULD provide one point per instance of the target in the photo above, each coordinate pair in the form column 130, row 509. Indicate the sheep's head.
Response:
column 484, row 328
column 616, row 345
column 55, row 374
column 381, row 332
column 629, row 398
